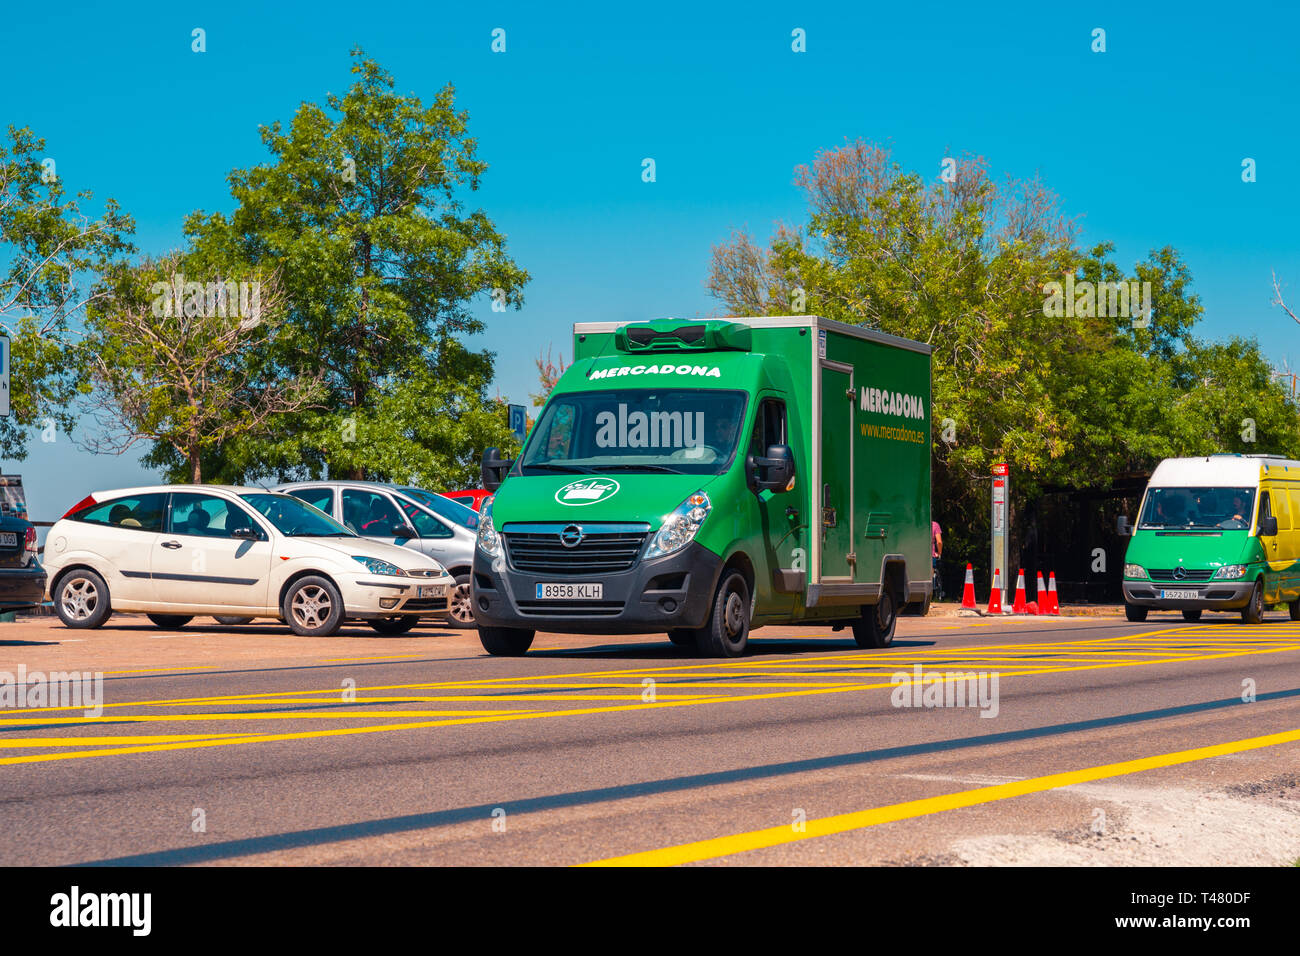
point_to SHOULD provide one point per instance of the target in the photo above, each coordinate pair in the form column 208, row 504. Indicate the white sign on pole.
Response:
column 4, row 376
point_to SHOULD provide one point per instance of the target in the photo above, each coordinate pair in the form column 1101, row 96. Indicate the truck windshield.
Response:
column 1206, row 508
column 669, row 430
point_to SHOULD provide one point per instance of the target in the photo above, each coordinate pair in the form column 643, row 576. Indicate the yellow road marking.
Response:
column 841, row 823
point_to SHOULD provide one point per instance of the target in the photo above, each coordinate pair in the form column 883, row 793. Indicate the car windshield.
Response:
column 1227, row 509
column 654, row 430
column 296, row 518
column 443, row 507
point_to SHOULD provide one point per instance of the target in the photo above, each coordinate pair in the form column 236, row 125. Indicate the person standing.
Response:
column 936, row 551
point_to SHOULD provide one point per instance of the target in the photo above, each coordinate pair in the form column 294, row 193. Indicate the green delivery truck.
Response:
column 702, row 478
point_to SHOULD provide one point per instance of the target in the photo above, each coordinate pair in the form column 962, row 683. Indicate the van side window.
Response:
column 1265, row 506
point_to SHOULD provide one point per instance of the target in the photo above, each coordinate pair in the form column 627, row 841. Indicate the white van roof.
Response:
column 1221, row 471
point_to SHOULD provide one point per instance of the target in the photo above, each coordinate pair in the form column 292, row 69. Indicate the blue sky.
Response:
column 1144, row 142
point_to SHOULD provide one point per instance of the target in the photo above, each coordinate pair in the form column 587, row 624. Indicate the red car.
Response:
column 470, row 497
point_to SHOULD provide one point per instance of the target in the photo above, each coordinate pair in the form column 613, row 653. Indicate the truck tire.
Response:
column 82, row 599
column 1294, row 608
column 875, row 628
column 1253, row 613
column 505, row 641
column 1135, row 613
column 313, row 607
column 726, row 633
column 1194, row 615
column 170, row 622
column 682, row 637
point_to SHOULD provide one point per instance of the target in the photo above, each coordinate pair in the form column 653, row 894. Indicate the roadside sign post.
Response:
column 4, row 376
column 1001, row 495
column 519, row 421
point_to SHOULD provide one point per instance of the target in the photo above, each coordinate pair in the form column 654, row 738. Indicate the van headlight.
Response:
column 1230, row 572
column 489, row 542
column 680, row 527
column 1135, row 571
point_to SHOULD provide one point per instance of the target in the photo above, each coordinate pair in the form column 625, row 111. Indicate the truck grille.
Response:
column 538, row 551
column 571, row 609
column 1167, row 574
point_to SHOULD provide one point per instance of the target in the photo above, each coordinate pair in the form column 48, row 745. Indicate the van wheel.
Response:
column 682, row 637
column 1253, row 613
column 505, row 641
column 876, row 626
column 170, row 622
column 83, row 599
column 1294, row 608
column 313, row 607
column 1135, row 613
column 1192, row 615
column 395, row 625
column 726, row 634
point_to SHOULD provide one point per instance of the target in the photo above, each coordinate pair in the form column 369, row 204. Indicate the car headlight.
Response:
column 376, row 566
column 1134, row 571
column 489, row 542
column 1230, row 571
column 680, row 527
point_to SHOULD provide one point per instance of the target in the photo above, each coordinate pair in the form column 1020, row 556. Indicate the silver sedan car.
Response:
column 443, row 529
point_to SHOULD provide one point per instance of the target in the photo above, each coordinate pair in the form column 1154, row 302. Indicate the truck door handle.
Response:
column 171, row 545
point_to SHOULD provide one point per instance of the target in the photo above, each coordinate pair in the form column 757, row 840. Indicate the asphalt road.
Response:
column 1103, row 742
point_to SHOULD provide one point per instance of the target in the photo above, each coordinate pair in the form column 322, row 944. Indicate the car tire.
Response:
column 460, row 610
column 392, row 626
column 726, row 633
column 682, row 636
column 1253, row 613
column 875, row 629
column 313, row 607
column 82, row 599
column 506, row 641
column 170, row 622
column 231, row 620
column 1135, row 613
column 1194, row 615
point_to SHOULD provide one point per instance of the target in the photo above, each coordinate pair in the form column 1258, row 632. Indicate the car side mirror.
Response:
column 247, row 534
column 1267, row 526
column 1122, row 527
column 774, row 472
column 404, row 531
column 493, row 468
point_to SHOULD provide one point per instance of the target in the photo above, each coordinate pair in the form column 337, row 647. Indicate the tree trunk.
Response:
column 196, row 466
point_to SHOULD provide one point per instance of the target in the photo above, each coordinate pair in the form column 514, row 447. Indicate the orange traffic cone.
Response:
column 1040, row 594
column 995, row 596
column 1054, row 604
column 1020, row 605
column 968, row 589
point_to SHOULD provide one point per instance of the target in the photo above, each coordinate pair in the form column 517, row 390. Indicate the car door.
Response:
column 199, row 564
column 437, row 538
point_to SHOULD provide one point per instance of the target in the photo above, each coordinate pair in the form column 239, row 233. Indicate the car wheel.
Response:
column 726, row 633
column 1192, row 615
column 505, row 641
column 231, row 620
column 682, row 636
column 1253, row 613
column 313, row 607
column 1294, row 609
column 395, row 625
column 83, row 599
column 170, row 622
column 1135, row 613
column 460, row 612
column 876, row 626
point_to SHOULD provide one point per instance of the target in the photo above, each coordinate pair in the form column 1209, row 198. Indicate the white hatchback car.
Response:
column 176, row 551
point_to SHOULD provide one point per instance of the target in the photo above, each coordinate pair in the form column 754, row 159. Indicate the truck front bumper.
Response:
column 675, row 591
column 1211, row 596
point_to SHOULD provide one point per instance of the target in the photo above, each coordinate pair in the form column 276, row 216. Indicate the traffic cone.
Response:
column 995, row 596
column 1053, row 603
column 968, row 589
column 1020, row 605
column 1040, row 594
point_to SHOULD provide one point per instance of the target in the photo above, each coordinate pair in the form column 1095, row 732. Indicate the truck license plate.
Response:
column 431, row 590
column 1179, row 595
column 578, row 592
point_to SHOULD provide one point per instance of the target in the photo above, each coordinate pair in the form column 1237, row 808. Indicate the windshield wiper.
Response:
column 645, row 467
column 552, row 466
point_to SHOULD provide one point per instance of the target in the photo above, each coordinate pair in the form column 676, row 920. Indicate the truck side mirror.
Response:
column 1122, row 526
column 1267, row 527
column 775, row 472
column 492, row 470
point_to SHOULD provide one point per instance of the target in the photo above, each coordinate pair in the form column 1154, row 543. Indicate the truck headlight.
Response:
column 680, row 527
column 1134, row 571
column 489, row 542
column 1230, row 572
column 376, row 566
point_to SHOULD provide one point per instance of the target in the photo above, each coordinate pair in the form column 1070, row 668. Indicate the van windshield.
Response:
column 1228, row 509
column 669, row 430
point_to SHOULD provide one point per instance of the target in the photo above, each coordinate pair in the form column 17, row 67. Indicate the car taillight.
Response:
column 29, row 544
column 85, row 502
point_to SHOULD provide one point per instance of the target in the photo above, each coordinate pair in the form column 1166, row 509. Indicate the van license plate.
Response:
column 572, row 592
column 1179, row 595
column 8, row 539
column 431, row 590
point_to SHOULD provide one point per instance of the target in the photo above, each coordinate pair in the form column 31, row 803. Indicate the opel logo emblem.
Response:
column 571, row 536
column 1180, row 572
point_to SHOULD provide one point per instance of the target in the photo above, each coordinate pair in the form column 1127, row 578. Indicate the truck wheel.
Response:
column 1253, row 613
column 82, row 600
column 1192, row 615
column 1294, row 608
column 682, row 636
column 505, row 641
column 460, row 613
column 395, row 625
column 170, row 622
column 726, row 634
column 1135, row 613
column 313, row 607
column 876, row 626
